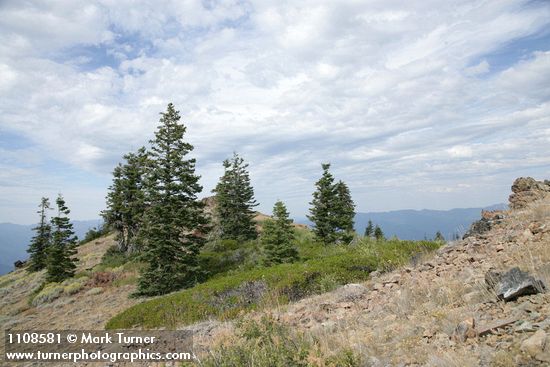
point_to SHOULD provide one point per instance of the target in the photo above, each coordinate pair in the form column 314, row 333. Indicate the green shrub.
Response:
column 113, row 258
column 222, row 256
column 225, row 245
column 73, row 288
column 49, row 293
column 225, row 296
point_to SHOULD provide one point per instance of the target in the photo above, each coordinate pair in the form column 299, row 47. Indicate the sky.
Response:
column 416, row 104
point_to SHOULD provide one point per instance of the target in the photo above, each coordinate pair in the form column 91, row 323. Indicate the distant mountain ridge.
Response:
column 419, row 224
column 15, row 238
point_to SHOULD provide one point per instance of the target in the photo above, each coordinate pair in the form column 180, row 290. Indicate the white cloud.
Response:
column 481, row 68
column 529, row 78
column 46, row 26
column 398, row 95
column 460, row 151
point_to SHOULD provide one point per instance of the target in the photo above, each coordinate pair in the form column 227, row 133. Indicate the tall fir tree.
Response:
column 60, row 261
column 369, row 230
column 126, row 200
column 278, row 237
column 174, row 222
column 323, row 206
column 378, row 233
column 344, row 213
column 38, row 248
column 235, row 201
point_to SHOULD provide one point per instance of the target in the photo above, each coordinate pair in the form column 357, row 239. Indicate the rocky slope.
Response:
column 444, row 309
column 441, row 311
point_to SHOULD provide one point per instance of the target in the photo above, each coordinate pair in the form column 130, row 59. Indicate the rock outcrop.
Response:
column 513, row 284
column 526, row 190
column 19, row 264
column 489, row 218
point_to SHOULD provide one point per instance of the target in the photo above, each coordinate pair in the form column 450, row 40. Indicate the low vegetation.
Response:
column 226, row 295
column 269, row 343
column 46, row 294
column 116, row 268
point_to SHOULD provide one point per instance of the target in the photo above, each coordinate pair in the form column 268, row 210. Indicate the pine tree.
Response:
column 369, row 231
column 126, row 200
column 378, row 234
column 174, row 222
column 322, row 209
column 278, row 236
column 60, row 263
column 344, row 212
column 439, row 237
column 235, row 202
column 38, row 248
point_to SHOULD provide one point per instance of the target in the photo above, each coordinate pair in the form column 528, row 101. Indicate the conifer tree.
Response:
column 369, row 231
column 235, row 202
column 344, row 213
column 60, row 261
column 174, row 222
column 126, row 199
column 38, row 248
column 378, row 234
column 322, row 210
column 278, row 236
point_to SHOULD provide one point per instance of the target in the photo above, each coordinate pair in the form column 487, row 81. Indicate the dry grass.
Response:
column 540, row 211
column 532, row 251
column 52, row 303
column 452, row 359
column 90, row 253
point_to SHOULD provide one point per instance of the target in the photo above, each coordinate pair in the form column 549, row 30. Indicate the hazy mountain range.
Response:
column 420, row 224
column 15, row 238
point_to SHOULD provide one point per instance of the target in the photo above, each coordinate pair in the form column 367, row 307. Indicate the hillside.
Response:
column 403, row 305
column 99, row 295
column 88, row 298
column 437, row 312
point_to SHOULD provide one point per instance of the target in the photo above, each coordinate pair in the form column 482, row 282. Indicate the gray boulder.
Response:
column 513, row 284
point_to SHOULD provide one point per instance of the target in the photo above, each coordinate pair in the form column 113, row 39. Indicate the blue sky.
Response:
column 416, row 104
